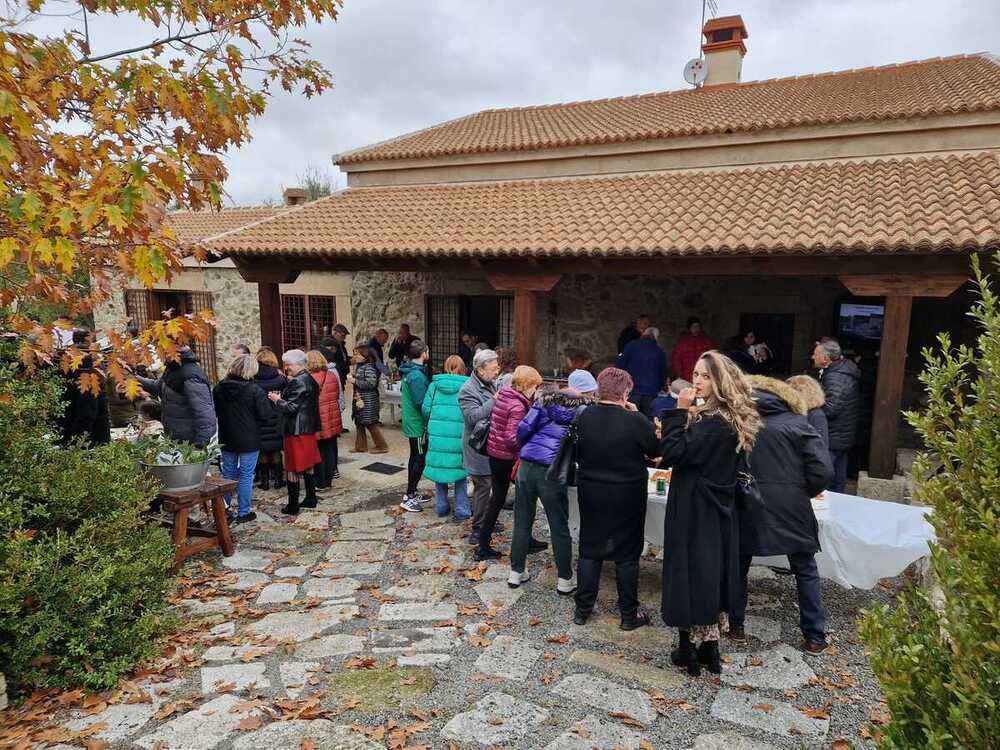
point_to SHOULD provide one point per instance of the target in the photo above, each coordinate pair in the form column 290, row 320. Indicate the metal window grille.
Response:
column 442, row 328
column 137, row 307
column 196, row 302
column 506, row 333
column 306, row 319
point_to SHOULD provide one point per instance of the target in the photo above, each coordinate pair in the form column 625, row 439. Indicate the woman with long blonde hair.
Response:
column 704, row 440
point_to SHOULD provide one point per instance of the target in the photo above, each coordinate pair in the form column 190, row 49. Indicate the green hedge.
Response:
column 83, row 580
column 938, row 657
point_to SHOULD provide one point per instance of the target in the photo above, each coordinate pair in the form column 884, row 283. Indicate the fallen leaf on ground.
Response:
column 495, row 721
column 815, row 713
column 841, row 745
column 533, row 621
column 626, row 719
column 248, row 723
column 765, row 707
column 360, row 662
column 564, row 638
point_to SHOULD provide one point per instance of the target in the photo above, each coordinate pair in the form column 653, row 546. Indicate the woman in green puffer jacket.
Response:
column 444, row 432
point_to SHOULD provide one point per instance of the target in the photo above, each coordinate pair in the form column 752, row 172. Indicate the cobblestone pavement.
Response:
column 358, row 626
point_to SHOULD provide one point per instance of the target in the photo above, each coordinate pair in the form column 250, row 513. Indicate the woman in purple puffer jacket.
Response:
column 540, row 435
column 511, row 406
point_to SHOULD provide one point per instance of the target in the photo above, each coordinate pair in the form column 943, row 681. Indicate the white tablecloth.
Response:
column 862, row 540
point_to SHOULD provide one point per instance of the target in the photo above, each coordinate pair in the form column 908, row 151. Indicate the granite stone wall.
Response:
column 384, row 300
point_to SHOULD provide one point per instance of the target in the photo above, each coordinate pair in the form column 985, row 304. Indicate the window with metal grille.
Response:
column 306, row 319
column 143, row 306
column 442, row 329
column 196, row 302
column 137, row 307
column 505, row 336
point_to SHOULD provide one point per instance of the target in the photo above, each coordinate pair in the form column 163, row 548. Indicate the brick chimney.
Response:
column 724, row 49
column 295, row 196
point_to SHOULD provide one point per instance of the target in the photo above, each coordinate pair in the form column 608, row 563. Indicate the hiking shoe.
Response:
column 565, row 586
column 737, row 633
column 638, row 620
column 411, row 504
column 244, row 519
column 580, row 617
column 811, row 648
column 488, row 554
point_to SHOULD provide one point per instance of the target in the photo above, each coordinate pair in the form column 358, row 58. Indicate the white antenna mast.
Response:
column 713, row 8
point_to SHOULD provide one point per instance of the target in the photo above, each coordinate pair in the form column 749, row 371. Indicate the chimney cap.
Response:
column 294, row 196
column 726, row 22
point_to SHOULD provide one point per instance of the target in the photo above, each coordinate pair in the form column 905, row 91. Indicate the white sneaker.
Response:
column 515, row 579
column 565, row 587
column 411, row 504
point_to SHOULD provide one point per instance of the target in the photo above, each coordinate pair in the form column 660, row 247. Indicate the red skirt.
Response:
column 301, row 452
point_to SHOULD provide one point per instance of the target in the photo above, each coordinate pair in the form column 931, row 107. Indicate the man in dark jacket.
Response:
column 646, row 362
column 399, row 350
column 632, row 331
column 791, row 465
column 334, row 349
column 377, row 347
column 467, row 348
column 188, row 409
column 841, row 380
column 86, row 415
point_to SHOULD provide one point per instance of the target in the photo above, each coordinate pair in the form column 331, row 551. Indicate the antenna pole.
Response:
column 703, row 3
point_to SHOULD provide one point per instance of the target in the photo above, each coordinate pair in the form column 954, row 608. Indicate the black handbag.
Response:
column 564, row 467
column 748, row 497
column 479, row 438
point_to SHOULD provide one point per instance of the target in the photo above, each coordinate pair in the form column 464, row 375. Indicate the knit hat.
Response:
column 582, row 381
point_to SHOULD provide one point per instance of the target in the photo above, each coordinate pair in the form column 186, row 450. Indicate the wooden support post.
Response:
column 270, row 315
column 525, row 325
column 889, row 389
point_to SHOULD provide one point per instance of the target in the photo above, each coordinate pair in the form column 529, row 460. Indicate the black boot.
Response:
column 637, row 619
column 279, row 475
column 292, row 509
column 580, row 617
column 310, row 482
column 708, row 656
column 685, row 655
column 264, row 473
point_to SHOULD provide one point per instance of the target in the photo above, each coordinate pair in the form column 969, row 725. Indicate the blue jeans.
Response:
column 839, row 461
column 240, row 466
column 812, row 619
column 462, row 508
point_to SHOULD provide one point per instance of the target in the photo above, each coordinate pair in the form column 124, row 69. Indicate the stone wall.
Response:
column 237, row 313
column 384, row 300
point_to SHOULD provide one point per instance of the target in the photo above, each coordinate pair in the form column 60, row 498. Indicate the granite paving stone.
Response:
column 301, row 626
column 422, row 660
column 759, row 711
column 363, row 519
column 277, row 593
column 357, row 551
column 328, row 646
column 511, row 658
column 241, row 676
column 418, row 611
column 330, row 588
column 764, row 629
column 418, row 588
column 201, row 729
column 628, row 669
column 313, row 520
column 412, row 640
column 295, row 676
column 122, row 720
column 342, row 568
column 202, row 607
column 497, row 719
column 498, row 594
column 220, row 631
column 380, row 533
column 597, row 733
column 291, row 571
column 292, row 734
column 728, row 741
column 607, row 696
column 245, row 580
column 247, row 560
column 233, row 653
column 780, row 668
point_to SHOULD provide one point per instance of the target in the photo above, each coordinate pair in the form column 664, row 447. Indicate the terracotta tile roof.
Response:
column 908, row 205
column 918, row 89
column 197, row 225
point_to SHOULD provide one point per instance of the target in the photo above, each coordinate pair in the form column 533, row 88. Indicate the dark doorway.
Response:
column 481, row 316
column 490, row 318
column 777, row 331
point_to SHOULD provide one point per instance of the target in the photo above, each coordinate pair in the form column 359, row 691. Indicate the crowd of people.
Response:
column 747, row 453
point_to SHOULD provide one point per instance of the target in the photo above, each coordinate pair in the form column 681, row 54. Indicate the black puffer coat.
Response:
column 188, row 411
column 791, row 465
column 700, row 560
column 86, row 414
column 299, row 406
column 842, row 387
column 366, row 377
column 270, row 379
column 241, row 408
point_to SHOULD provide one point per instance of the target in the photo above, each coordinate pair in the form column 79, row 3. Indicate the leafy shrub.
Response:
column 83, row 580
column 938, row 657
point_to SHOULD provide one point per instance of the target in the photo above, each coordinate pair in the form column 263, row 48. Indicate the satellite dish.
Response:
column 696, row 71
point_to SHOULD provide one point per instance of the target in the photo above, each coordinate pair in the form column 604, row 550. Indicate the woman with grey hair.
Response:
column 241, row 410
column 298, row 403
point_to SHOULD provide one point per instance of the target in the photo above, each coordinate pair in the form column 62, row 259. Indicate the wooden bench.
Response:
column 179, row 504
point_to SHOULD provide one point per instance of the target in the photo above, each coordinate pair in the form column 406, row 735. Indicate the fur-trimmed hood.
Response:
column 565, row 398
column 779, row 389
column 809, row 389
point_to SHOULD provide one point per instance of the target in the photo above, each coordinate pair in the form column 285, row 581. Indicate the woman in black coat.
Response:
column 791, row 465
column 299, row 407
column 270, row 378
column 702, row 444
column 240, row 407
column 613, row 444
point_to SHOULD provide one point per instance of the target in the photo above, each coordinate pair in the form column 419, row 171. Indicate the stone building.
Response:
column 840, row 203
column 311, row 305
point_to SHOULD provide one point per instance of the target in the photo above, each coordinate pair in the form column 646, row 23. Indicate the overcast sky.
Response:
column 402, row 65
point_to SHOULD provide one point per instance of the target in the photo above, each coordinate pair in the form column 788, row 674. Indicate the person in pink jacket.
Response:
column 512, row 403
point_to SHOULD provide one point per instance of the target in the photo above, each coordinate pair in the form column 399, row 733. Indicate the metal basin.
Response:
column 179, row 477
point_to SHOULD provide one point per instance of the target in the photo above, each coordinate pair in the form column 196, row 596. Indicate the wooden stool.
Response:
column 181, row 503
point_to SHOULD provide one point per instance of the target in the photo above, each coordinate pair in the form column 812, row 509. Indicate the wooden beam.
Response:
column 530, row 282
column 267, row 273
column 525, row 324
column 269, row 299
column 906, row 284
column 889, row 388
